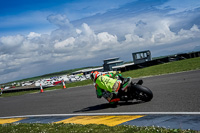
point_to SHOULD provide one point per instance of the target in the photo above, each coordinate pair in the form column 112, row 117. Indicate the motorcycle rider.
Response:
column 109, row 87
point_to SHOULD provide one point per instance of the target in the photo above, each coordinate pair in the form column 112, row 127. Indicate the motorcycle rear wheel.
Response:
column 143, row 93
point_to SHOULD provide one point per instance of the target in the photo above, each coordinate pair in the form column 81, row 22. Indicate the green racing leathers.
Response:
column 107, row 87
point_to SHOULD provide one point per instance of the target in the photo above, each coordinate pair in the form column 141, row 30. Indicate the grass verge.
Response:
column 91, row 128
column 171, row 67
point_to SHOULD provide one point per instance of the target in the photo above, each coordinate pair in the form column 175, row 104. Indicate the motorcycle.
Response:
column 135, row 91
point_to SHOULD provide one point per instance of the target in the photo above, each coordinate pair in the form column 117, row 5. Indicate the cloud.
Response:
column 76, row 10
column 60, row 20
column 176, row 7
column 21, row 52
column 89, row 42
column 193, row 32
column 33, row 35
column 65, row 46
column 11, row 41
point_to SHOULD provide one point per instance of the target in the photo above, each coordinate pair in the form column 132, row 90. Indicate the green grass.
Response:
column 18, row 93
column 171, row 67
column 91, row 128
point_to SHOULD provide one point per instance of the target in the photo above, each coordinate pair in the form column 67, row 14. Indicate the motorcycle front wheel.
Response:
column 143, row 93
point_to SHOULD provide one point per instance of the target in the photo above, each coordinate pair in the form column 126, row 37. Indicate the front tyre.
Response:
column 143, row 93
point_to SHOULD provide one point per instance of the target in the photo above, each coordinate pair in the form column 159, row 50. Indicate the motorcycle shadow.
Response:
column 107, row 105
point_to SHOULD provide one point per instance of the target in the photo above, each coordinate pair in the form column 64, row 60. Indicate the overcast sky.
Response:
column 44, row 36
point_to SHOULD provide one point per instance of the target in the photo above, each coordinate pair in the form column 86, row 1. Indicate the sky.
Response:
column 40, row 37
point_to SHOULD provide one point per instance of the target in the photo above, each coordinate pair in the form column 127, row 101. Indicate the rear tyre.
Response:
column 143, row 93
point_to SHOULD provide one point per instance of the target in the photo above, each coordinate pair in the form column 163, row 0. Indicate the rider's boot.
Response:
column 114, row 101
column 124, row 80
column 119, row 77
column 140, row 82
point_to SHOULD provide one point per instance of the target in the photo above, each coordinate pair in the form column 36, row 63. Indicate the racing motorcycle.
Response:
column 135, row 91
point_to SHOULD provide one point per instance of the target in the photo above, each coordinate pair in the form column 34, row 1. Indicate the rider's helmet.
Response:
column 94, row 75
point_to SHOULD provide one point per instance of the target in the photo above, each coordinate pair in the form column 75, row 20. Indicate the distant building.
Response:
column 142, row 56
column 111, row 62
column 108, row 65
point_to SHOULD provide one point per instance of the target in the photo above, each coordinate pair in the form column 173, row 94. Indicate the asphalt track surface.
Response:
column 177, row 92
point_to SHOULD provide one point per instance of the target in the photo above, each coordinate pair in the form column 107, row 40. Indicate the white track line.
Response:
column 99, row 114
